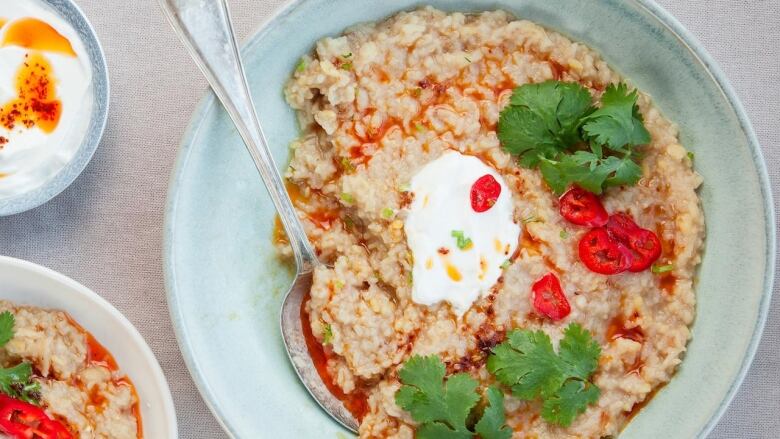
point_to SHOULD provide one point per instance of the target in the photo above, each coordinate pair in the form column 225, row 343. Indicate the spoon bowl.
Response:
column 297, row 349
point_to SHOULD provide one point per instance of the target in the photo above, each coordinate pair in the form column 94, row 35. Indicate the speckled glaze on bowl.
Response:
column 100, row 92
column 225, row 284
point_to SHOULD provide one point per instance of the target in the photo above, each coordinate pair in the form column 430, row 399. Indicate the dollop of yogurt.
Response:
column 35, row 41
column 458, row 252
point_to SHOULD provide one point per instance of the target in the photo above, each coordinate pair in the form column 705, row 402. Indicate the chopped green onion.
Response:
column 416, row 92
column 406, row 187
column 349, row 223
column 301, row 65
column 347, row 197
column 346, row 66
column 347, row 165
column 410, row 278
column 506, row 264
column 338, row 285
column 419, row 127
column 327, row 334
column 691, row 155
column 461, row 240
column 387, row 213
column 347, row 55
column 564, row 234
column 659, row 269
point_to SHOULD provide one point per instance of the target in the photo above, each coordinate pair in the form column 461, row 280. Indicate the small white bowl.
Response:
column 100, row 89
column 26, row 283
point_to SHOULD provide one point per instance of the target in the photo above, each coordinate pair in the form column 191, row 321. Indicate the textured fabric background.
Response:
column 105, row 230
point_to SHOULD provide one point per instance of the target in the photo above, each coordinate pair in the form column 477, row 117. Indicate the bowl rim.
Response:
column 136, row 338
column 667, row 20
column 55, row 185
column 686, row 38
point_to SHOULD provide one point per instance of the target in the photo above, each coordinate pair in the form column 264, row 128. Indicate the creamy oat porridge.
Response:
column 496, row 205
column 58, row 382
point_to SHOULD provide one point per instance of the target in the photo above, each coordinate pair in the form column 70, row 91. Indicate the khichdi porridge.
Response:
column 511, row 232
column 58, row 382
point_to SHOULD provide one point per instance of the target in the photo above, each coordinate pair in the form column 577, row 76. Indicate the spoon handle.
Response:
column 206, row 29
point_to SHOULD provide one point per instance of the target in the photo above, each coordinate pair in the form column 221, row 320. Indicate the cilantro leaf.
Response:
column 618, row 122
column 570, row 401
column 623, row 171
column 16, row 382
column 492, row 425
column 442, row 406
column 553, row 126
column 579, row 352
column 7, row 321
column 560, row 105
column 428, row 401
column 527, row 363
column 574, row 169
column 588, row 171
column 437, row 430
column 524, row 133
column 460, row 397
column 543, row 119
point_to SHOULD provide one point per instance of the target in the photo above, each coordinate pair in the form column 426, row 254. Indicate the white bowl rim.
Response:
column 666, row 19
column 135, row 337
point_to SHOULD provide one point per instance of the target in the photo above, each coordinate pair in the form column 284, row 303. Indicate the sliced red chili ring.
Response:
column 549, row 299
column 643, row 243
column 602, row 254
column 484, row 193
column 621, row 225
column 646, row 247
column 583, row 208
column 21, row 420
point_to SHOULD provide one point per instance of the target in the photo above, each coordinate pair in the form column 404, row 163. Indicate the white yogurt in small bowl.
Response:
column 53, row 100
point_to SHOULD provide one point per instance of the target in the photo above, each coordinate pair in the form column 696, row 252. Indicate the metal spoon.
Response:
column 206, row 29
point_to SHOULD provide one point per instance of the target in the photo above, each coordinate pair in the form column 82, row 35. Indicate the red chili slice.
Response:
column 644, row 244
column 583, row 208
column 484, row 193
column 549, row 299
column 21, row 420
column 602, row 254
column 621, row 225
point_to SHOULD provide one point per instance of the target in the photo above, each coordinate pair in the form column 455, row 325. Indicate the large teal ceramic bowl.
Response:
column 225, row 285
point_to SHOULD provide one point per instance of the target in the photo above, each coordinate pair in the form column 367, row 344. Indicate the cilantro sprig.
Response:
column 7, row 322
column 554, row 126
column 527, row 363
column 16, row 381
column 443, row 407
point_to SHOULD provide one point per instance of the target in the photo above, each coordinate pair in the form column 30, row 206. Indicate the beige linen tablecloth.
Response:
column 105, row 230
